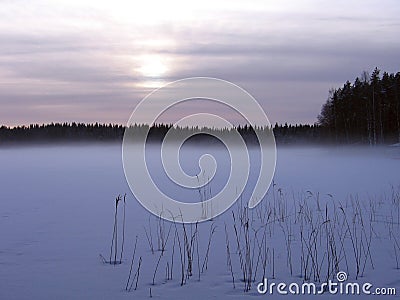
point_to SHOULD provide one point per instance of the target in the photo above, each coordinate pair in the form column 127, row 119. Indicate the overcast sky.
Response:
column 94, row 60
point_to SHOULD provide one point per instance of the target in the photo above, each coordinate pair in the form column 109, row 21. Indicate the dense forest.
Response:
column 366, row 111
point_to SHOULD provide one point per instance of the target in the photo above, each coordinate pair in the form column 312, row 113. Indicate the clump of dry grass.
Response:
column 316, row 235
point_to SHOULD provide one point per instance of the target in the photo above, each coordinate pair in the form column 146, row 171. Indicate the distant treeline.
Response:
column 366, row 111
column 80, row 132
column 61, row 132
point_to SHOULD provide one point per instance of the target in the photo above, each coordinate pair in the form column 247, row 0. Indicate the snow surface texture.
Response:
column 57, row 208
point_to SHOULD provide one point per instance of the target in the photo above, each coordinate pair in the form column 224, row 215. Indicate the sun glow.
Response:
column 153, row 66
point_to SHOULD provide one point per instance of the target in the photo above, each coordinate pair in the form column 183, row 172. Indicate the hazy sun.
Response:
column 152, row 66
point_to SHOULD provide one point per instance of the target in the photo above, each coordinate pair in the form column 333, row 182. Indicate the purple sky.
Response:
column 94, row 60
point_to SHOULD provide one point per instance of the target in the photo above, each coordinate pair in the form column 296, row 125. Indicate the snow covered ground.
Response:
column 57, row 212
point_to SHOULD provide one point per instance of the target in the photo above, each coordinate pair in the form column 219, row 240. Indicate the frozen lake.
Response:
column 57, row 214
